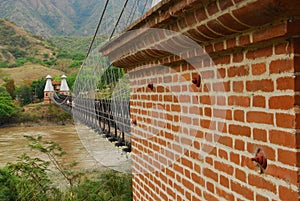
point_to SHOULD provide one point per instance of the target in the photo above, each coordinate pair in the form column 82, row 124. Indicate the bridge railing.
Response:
column 109, row 117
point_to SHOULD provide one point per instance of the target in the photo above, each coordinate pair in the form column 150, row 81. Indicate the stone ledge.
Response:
column 208, row 23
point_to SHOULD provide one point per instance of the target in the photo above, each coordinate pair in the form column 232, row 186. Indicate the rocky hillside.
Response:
column 64, row 17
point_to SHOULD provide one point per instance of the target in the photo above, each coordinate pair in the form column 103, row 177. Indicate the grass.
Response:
column 27, row 73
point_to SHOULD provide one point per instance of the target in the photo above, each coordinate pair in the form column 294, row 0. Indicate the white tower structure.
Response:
column 49, row 90
column 64, row 88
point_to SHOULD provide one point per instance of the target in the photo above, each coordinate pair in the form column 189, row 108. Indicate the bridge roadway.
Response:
column 106, row 117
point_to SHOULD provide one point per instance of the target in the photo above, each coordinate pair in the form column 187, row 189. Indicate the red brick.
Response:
column 244, row 40
column 210, row 197
column 265, row 85
column 188, row 184
column 287, row 157
column 239, row 115
column 210, row 187
column 285, row 120
column 238, row 86
column 225, row 140
column 224, row 114
column 212, row 8
column 204, row 123
column 238, row 57
column 239, row 130
column 239, row 145
column 207, row 111
column 261, row 182
column 242, row 101
column 290, row 176
column 269, row 32
column 260, row 117
column 223, row 154
column 285, row 83
column 225, row 59
column 200, row 15
column 221, row 86
column 210, row 174
column 221, row 100
column 261, row 198
column 259, row 101
column 282, row 138
column 242, row 190
column 258, row 69
column 260, row 134
column 223, row 167
column 209, row 74
column 283, row 48
column 238, row 71
column 187, row 163
column 217, row 46
column 287, row 194
column 224, row 194
column 280, row 66
column 235, row 158
column 230, row 43
column 231, row 22
column 259, row 53
column 207, row 100
column 281, row 102
column 221, row 73
column 224, row 181
column 225, row 4
column 240, row 175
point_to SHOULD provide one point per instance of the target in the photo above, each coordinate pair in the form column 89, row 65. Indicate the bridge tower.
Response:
column 49, row 90
column 64, row 88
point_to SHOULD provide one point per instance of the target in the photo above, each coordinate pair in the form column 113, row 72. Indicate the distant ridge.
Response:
column 63, row 17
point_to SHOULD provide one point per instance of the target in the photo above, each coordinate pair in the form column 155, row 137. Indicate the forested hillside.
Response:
column 25, row 57
column 18, row 47
column 67, row 17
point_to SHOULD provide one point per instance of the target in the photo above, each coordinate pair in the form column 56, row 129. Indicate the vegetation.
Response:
column 37, row 87
column 29, row 179
column 24, row 95
column 7, row 107
column 19, row 47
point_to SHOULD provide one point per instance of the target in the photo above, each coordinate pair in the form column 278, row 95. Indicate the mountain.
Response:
column 23, row 56
column 68, row 17
column 17, row 47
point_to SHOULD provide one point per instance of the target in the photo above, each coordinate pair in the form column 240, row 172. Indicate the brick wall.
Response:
column 196, row 143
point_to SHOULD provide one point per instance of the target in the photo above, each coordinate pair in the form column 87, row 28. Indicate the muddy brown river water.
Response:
column 89, row 149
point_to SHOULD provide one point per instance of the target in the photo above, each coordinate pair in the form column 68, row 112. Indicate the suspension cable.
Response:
column 118, row 20
column 132, row 13
column 98, row 26
column 144, row 7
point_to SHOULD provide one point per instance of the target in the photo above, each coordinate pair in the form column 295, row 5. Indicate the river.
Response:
column 90, row 150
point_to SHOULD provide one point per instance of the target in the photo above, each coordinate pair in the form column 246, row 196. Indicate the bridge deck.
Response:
column 104, row 116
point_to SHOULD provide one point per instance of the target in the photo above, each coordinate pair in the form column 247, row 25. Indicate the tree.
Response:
column 7, row 108
column 10, row 87
column 38, row 88
column 24, row 94
column 71, row 80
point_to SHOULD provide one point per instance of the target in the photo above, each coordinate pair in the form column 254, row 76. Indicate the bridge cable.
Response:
column 144, row 7
column 98, row 26
column 120, row 16
column 132, row 13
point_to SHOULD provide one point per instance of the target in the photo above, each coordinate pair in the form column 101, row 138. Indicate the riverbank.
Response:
column 39, row 114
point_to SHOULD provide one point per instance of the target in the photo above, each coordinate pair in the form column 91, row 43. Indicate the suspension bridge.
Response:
column 217, row 116
column 100, row 98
